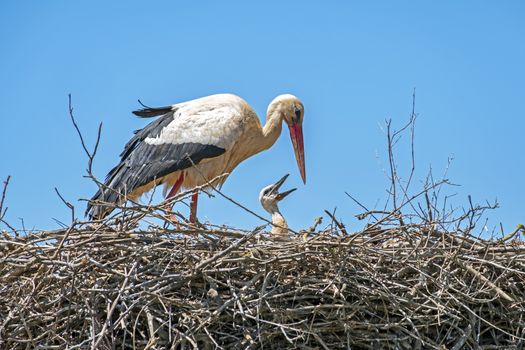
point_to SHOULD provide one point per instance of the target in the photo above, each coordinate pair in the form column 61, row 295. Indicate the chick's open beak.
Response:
column 277, row 185
column 281, row 195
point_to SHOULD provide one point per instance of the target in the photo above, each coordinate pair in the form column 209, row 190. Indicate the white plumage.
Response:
column 194, row 142
column 206, row 123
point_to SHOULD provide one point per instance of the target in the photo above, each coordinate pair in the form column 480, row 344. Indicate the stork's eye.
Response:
column 297, row 115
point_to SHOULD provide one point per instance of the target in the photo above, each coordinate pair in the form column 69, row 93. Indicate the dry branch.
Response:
column 2, row 198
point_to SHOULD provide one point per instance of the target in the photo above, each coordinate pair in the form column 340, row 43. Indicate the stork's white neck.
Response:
column 272, row 128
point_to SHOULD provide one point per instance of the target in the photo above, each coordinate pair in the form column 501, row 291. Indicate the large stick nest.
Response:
column 103, row 286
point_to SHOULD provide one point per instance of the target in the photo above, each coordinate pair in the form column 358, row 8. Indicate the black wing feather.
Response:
column 142, row 163
column 151, row 162
column 153, row 129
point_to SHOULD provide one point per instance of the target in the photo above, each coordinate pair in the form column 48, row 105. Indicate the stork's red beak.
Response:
column 296, row 134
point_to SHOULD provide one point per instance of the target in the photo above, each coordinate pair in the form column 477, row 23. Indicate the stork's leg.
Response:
column 193, row 207
column 174, row 190
column 176, row 187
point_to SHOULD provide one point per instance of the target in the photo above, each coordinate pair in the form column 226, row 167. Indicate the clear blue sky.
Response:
column 353, row 63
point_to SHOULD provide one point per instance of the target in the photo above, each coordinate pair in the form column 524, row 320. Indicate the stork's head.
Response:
column 291, row 110
column 270, row 196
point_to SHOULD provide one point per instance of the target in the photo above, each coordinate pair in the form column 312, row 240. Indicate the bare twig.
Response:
column 211, row 184
column 2, row 210
column 339, row 225
column 90, row 155
column 68, row 204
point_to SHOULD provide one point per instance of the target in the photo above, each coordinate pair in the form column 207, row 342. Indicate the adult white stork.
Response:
column 194, row 142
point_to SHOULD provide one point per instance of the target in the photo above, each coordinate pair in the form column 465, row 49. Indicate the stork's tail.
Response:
column 96, row 210
column 110, row 194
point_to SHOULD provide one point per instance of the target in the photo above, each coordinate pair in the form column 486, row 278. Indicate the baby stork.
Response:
column 269, row 198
